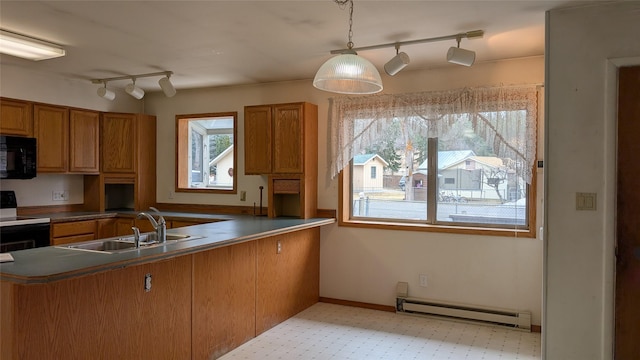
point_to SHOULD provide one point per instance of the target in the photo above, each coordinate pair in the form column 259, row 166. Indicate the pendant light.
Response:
column 348, row 73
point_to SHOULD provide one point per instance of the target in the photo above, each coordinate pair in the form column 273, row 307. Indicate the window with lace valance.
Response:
column 483, row 145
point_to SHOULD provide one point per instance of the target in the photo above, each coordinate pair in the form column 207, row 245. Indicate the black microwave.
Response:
column 17, row 157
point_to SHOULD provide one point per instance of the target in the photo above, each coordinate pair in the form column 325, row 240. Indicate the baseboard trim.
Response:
column 358, row 304
column 534, row 328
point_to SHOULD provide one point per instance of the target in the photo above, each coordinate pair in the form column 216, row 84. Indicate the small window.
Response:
column 450, row 181
column 373, row 172
column 206, row 148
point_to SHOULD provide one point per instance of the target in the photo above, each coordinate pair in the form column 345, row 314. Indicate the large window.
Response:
column 206, row 153
column 445, row 167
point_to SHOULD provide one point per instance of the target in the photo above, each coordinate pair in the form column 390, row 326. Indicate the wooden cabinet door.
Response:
column 257, row 140
column 17, row 117
column 118, row 143
column 289, row 281
column 123, row 226
column 106, row 228
column 51, row 126
column 288, row 145
column 108, row 315
column 224, row 295
column 84, row 141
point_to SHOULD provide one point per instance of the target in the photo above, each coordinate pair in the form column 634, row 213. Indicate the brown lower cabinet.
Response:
column 200, row 306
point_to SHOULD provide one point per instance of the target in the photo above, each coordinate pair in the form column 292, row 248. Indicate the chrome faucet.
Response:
column 136, row 236
column 159, row 226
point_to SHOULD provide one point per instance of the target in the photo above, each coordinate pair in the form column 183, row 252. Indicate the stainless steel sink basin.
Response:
column 126, row 243
column 103, row 245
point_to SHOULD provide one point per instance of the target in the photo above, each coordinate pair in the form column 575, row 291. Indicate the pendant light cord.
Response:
column 342, row 4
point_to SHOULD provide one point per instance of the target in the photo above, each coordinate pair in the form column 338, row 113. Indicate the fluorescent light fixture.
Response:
column 27, row 47
column 134, row 91
column 106, row 93
column 167, row 86
column 397, row 63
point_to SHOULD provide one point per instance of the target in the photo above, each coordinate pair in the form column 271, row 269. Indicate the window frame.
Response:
column 183, row 153
column 344, row 216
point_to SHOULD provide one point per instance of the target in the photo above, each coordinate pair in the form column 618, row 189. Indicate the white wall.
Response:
column 356, row 264
column 584, row 46
column 364, row 265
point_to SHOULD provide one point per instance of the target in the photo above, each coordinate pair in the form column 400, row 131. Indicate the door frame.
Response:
column 609, row 200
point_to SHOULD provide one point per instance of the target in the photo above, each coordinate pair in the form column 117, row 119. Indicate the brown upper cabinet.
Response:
column 281, row 141
column 68, row 140
column 118, row 143
column 280, row 138
column 128, row 162
column 17, row 118
column 84, row 141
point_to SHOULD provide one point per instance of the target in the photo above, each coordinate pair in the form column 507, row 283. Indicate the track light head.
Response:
column 167, row 86
column 397, row 63
column 459, row 56
column 103, row 92
column 134, row 91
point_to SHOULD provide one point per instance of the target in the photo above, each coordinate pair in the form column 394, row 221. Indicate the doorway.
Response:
column 627, row 295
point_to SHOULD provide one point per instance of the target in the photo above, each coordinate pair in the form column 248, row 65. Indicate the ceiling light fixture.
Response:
column 459, row 56
column 401, row 60
column 167, row 86
column 27, row 47
column 397, row 63
column 348, row 73
column 106, row 93
column 135, row 91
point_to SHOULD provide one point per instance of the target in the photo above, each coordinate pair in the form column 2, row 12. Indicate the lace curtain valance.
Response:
column 505, row 117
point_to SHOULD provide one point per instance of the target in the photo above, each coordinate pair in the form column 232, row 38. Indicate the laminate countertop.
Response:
column 52, row 263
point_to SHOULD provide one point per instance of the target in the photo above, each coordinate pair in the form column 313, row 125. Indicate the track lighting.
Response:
column 455, row 55
column 27, row 47
column 106, row 93
column 397, row 63
column 132, row 89
column 459, row 56
column 167, row 86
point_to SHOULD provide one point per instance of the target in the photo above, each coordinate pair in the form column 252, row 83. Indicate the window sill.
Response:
column 462, row 230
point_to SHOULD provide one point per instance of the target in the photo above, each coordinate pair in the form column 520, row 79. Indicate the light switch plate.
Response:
column 586, row 201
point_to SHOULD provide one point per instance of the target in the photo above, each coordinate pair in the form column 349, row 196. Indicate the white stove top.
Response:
column 9, row 215
column 19, row 220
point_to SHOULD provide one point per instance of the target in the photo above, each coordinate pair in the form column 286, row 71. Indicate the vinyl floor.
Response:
column 337, row 332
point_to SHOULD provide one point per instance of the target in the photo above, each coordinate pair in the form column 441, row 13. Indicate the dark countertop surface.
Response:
column 79, row 216
column 42, row 265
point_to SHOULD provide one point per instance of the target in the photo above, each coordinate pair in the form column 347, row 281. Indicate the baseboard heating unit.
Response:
column 520, row 320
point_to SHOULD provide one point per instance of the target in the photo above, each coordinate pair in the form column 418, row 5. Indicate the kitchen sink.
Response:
column 126, row 243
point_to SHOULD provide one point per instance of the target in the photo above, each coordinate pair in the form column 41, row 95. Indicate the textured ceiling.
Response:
column 222, row 43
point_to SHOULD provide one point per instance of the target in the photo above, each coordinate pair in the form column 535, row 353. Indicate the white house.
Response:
column 224, row 168
column 368, row 172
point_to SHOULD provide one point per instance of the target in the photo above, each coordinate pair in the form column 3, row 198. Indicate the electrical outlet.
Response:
column 423, row 280
column 170, row 194
column 278, row 247
column 243, row 195
column 60, row 195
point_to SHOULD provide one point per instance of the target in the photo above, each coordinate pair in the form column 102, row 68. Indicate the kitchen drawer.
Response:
column 72, row 239
column 74, row 228
column 286, row 186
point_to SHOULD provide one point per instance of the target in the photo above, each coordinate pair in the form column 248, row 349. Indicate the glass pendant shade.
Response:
column 348, row 74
